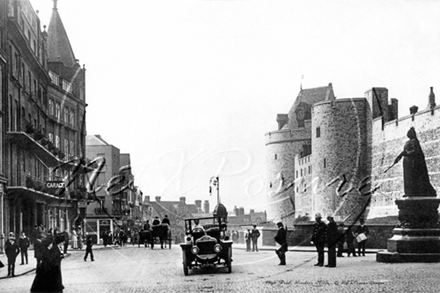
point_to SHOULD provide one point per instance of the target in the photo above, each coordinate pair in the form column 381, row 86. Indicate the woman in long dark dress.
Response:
column 415, row 173
column 48, row 276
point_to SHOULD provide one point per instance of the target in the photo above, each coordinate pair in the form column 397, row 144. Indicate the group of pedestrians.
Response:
column 335, row 236
column 252, row 236
column 14, row 248
column 332, row 235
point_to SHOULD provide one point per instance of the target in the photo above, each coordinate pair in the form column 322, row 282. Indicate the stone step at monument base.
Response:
column 396, row 257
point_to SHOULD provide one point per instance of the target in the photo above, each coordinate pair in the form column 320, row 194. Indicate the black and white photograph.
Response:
column 219, row 146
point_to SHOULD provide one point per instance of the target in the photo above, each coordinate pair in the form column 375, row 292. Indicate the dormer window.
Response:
column 300, row 114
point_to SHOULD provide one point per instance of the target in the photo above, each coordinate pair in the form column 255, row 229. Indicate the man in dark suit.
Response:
column 254, row 236
column 319, row 237
column 11, row 251
column 281, row 239
column 332, row 240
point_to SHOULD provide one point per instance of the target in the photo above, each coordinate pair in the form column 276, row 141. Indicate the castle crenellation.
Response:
column 335, row 161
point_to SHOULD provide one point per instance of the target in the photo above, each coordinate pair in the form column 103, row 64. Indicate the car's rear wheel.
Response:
column 229, row 260
column 185, row 266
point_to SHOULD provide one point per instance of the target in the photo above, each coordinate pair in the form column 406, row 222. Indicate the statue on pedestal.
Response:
column 415, row 173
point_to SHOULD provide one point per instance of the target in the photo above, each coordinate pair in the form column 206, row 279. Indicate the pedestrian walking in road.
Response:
column 11, row 250
column 319, row 237
column 89, row 244
column 349, row 236
column 281, row 239
column 66, row 241
column 48, row 276
column 247, row 237
column 24, row 243
column 361, row 234
column 254, row 235
column 332, row 240
column 341, row 241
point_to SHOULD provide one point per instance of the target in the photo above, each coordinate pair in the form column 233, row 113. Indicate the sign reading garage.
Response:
column 55, row 184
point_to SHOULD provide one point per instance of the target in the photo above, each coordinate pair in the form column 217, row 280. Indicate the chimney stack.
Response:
column 431, row 103
column 183, row 199
column 147, row 198
column 157, row 198
column 413, row 110
column 198, row 203
column 206, row 207
column 282, row 120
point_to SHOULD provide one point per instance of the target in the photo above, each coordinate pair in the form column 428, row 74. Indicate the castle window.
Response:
column 325, row 163
column 301, row 172
column 318, row 131
column 275, row 156
column 296, row 173
column 310, row 169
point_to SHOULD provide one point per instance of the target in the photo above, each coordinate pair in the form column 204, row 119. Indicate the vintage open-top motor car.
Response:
column 206, row 244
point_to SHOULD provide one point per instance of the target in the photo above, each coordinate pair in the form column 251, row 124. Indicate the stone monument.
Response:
column 416, row 238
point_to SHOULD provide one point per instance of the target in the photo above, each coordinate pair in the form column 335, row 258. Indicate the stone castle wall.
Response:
column 386, row 146
column 341, row 158
column 281, row 148
column 303, row 186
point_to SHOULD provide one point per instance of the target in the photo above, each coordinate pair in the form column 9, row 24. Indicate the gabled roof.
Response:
column 58, row 45
column 307, row 98
column 95, row 139
column 193, row 209
column 163, row 208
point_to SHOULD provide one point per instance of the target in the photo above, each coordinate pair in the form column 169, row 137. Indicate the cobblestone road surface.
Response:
column 132, row 269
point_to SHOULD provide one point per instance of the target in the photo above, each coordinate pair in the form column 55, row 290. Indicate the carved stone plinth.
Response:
column 417, row 236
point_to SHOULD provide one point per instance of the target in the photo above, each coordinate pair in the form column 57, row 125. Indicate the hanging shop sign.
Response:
column 55, row 184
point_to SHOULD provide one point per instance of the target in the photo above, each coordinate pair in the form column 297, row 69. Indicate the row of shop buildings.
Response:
column 50, row 169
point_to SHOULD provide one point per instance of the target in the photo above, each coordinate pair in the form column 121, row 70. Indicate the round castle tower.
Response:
column 281, row 148
column 292, row 138
column 341, row 163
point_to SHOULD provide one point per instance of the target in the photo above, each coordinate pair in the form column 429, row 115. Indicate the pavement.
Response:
column 21, row 270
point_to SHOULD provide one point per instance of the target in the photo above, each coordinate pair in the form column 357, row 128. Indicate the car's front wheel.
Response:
column 229, row 260
column 185, row 266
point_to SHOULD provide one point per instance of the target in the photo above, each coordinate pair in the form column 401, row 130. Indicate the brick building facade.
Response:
column 42, row 122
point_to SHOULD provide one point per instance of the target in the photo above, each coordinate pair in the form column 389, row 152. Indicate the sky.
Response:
column 189, row 88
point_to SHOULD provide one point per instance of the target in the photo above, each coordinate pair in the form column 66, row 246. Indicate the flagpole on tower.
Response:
column 218, row 190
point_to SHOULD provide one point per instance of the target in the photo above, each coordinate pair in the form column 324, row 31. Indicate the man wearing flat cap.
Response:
column 319, row 237
column 281, row 239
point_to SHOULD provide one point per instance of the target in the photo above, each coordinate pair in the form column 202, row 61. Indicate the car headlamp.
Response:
column 195, row 250
column 217, row 248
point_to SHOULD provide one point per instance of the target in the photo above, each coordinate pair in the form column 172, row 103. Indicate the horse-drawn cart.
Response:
column 160, row 234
